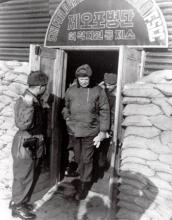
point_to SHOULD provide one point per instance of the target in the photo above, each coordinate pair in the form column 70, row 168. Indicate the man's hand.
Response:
column 100, row 137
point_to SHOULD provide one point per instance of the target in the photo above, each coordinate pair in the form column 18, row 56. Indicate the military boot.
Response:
column 83, row 191
column 28, row 206
column 23, row 213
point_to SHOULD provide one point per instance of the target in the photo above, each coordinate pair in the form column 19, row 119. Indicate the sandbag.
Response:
column 157, row 77
column 135, row 141
column 143, row 202
column 145, row 170
column 159, row 183
column 124, row 213
column 126, row 197
column 165, row 176
column 147, row 110
column 133, row 160
column 157, row 146
column 146, row 132
column 166, row 137
column 164, row 88
column 164, row 105
column 159, row 166
column 135, row 100
column 130, row 190
column 139, row 153
column 166, row 158
column 133, row 183
column 133, row 175
column 153, row 214
column 141, row 90
column 169, row 100
column 162, row 122
column 130, row 206
column 165, row 194
column 137, row 120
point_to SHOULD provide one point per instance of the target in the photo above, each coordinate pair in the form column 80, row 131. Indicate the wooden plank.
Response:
column 159, row 54
column 47, row 53
column 162, row 61
column 158, row 66
column 34, row 60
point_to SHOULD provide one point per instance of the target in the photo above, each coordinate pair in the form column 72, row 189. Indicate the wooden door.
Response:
column 128, row 71
column 53, row 62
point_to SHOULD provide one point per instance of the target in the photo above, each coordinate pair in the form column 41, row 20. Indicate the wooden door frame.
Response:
column 58, row 89
column 62, row 82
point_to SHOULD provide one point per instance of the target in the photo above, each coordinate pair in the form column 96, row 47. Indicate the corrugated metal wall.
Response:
column 158, row 59
column 53, row 5
column 22, row 22
column 155, row 59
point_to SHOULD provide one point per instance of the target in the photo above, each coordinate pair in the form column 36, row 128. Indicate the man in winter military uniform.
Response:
column 109, row 85
column 87, row 114
column 28, row 144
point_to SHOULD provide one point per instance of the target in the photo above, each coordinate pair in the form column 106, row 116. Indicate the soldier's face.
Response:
column 110, row 87
column 42, row 89
column 84, row 81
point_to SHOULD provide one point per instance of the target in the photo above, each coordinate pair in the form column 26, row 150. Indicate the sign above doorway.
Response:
column 79, row 23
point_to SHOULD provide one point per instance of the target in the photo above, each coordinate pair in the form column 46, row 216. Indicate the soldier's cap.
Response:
column 110, row 78
column 84, row 70
column 37, row 78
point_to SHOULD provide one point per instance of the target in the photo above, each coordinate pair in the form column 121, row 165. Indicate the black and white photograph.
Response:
column 86, row 109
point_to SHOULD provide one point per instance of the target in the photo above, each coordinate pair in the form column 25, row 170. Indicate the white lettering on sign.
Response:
column 101, row 20
column 59, row 17
column 53, row 34
column 154, row 25
column 108, row 25
column 101, row 35
column 101, row 25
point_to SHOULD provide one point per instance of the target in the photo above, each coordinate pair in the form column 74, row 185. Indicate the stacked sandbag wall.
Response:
column 145, row 189
column 13, row 77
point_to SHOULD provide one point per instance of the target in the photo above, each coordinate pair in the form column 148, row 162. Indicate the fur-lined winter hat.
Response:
column 84, row 70
column 110, row 78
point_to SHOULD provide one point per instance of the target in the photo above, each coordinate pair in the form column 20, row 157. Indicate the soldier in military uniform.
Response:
column 28, row 144
column 109, row 84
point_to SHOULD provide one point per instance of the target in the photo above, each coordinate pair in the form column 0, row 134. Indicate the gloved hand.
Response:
column 100, row 137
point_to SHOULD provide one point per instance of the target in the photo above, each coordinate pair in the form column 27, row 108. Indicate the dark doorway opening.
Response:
column 100, row 62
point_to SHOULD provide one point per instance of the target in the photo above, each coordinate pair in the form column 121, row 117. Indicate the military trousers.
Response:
column 84, row 151
column 24, row 175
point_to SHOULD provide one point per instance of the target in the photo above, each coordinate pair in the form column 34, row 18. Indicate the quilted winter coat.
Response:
column 87, row 110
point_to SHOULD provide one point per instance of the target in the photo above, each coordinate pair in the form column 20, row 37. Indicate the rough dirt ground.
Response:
column 57, row 203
